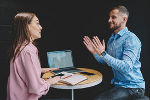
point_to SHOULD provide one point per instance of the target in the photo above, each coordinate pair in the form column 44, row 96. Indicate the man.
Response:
column 122, row 55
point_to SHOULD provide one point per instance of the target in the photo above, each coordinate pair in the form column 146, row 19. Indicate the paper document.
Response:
column 72, row 79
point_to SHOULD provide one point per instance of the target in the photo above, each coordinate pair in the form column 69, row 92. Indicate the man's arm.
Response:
column 100, row 59
column 132, row 49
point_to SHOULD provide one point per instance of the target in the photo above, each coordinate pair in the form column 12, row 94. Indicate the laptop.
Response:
column 62, row 60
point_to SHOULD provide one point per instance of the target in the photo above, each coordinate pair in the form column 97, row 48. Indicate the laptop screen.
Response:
column 60, row 59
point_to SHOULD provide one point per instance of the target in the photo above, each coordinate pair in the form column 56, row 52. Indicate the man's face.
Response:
column 115, row 19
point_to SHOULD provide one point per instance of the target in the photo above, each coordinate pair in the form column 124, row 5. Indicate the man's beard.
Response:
column 116, row 27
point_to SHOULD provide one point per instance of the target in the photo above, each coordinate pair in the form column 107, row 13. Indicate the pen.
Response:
column 67, row 76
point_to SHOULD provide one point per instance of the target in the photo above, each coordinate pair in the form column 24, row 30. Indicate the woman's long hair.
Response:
column 20, row 33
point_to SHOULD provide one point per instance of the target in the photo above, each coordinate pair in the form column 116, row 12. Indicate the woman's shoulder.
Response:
column 29, row 48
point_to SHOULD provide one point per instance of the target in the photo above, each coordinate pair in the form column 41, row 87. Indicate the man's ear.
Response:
column 125, row 19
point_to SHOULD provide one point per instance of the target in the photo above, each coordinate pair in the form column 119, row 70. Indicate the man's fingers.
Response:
column 94, row 43
column 103, row 43
column 87, row 39
column 85, row 44
column 98, row 43
column 97, row 39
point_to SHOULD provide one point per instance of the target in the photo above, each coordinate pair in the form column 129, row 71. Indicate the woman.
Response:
column 25, row 82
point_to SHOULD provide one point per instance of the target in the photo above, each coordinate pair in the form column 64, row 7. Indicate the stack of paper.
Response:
column 72, row 79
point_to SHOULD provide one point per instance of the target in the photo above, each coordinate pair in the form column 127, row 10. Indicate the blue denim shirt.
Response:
column 123, row 54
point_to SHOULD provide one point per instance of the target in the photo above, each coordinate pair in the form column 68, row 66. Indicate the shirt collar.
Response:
column 123, row 31
column 120, row 33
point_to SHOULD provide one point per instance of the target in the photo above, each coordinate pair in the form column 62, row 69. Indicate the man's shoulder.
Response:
column 130, row 34
column 132, row 38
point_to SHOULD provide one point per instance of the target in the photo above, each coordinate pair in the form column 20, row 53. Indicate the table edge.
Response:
column 77, row 86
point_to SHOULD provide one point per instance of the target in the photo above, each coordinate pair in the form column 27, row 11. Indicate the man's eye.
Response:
column 113, row 17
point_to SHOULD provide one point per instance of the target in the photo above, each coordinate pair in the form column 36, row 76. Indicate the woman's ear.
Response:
column 29, row 27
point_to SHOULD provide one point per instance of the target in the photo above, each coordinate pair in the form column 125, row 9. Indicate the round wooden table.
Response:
column 92, row 80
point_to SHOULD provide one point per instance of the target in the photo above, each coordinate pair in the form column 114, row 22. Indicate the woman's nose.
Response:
column 40, row 27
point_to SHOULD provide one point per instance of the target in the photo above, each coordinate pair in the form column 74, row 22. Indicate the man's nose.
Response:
column 109, row 20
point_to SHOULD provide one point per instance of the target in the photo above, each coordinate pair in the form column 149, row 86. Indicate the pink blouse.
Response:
column 25, row 82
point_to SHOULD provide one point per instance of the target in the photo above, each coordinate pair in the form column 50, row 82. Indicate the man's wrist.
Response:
column 93, row 53
column 103, row 53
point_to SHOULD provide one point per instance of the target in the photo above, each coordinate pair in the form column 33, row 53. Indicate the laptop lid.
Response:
column 62, row 60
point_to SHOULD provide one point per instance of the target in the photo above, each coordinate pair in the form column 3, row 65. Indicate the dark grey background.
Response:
column 64, row 25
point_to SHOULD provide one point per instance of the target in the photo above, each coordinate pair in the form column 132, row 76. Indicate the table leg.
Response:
column 72, row 94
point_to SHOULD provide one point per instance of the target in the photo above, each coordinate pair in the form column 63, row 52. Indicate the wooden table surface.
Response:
column 90, row 78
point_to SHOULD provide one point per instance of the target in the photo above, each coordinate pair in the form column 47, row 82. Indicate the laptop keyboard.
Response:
column 67, row 69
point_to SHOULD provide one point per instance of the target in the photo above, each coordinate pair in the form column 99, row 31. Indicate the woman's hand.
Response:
column 44, row 70
column 54, row 80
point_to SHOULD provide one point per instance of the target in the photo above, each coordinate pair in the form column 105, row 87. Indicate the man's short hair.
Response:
column 122, row 9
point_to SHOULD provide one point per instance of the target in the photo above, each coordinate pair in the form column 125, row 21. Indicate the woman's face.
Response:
column 35, row 28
